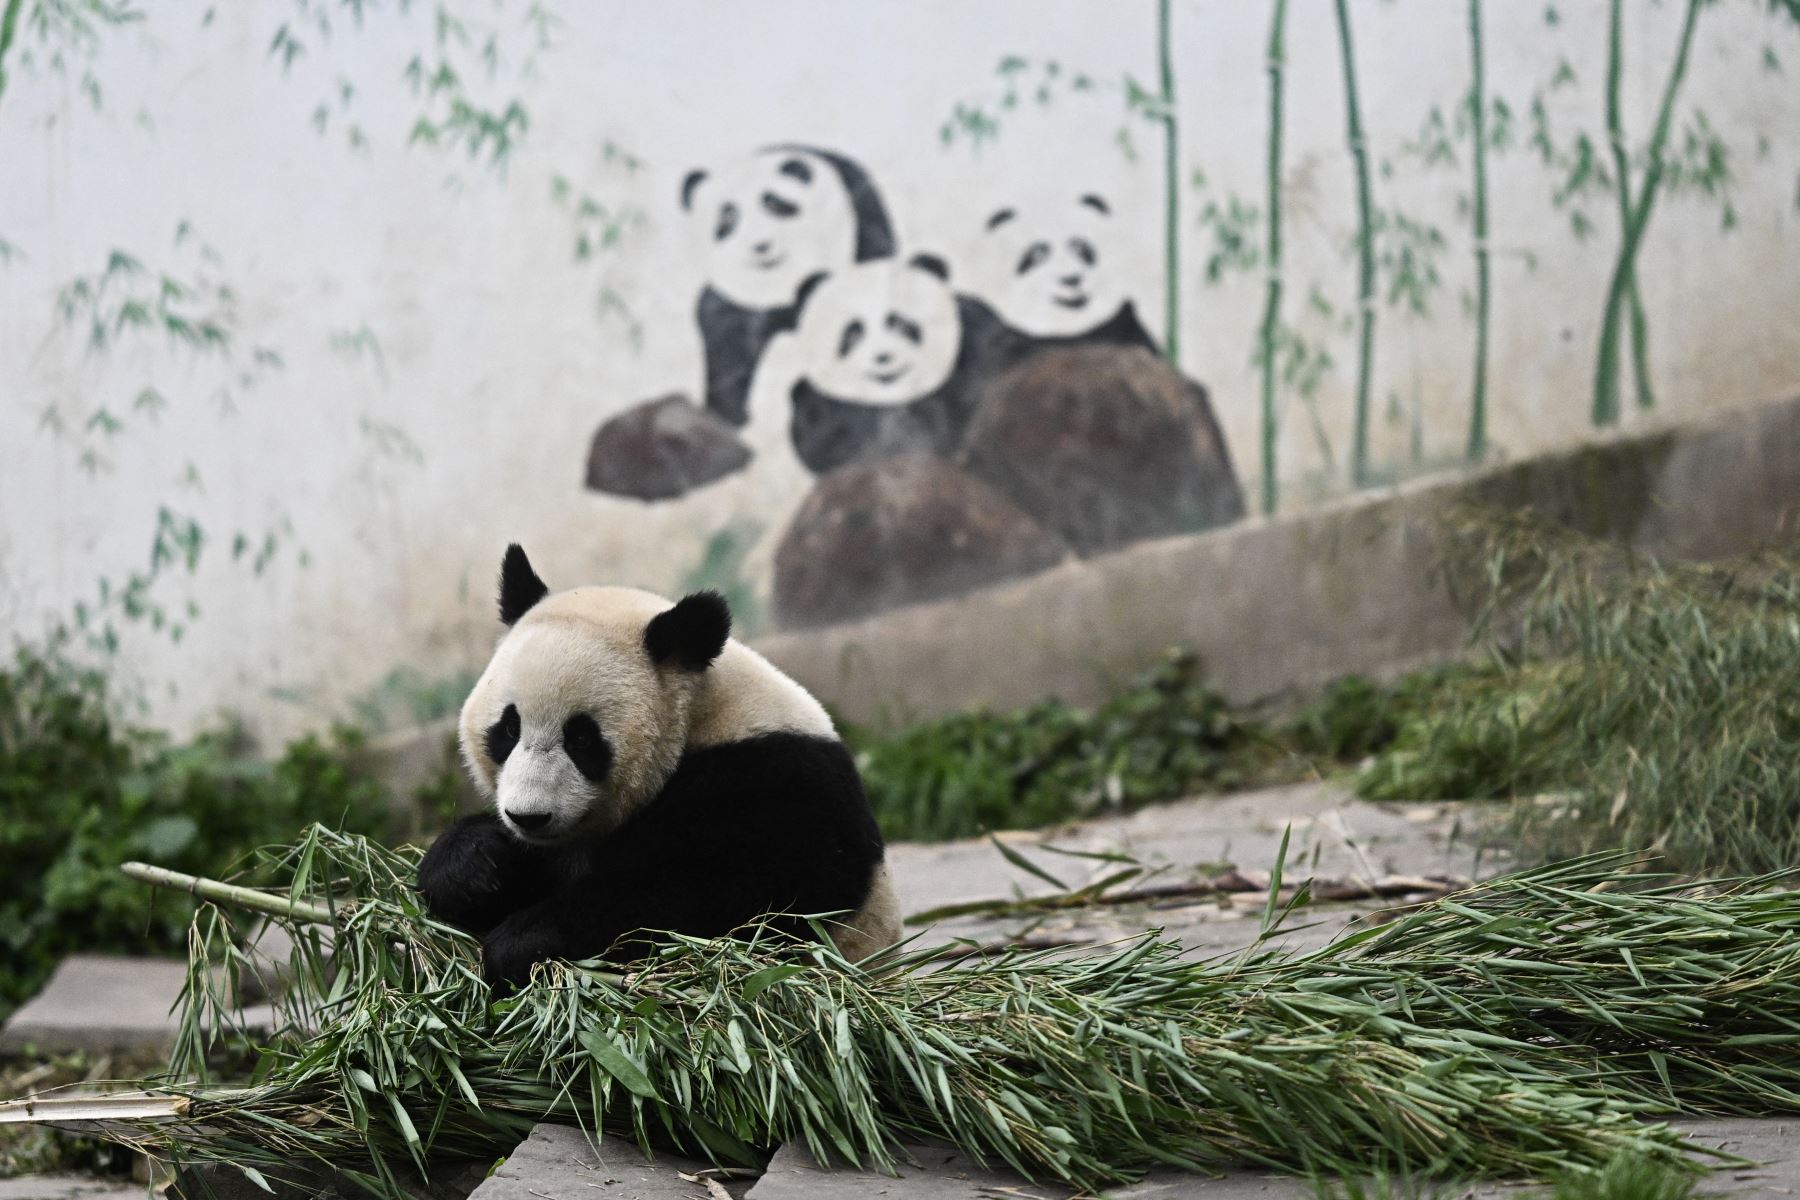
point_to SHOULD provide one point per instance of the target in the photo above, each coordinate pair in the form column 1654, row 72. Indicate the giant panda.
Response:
column 649, row 775
column 1045, row 271
column 895, row 363
column 770, row 222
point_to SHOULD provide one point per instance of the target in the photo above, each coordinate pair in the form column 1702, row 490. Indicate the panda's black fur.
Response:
column 775, row 822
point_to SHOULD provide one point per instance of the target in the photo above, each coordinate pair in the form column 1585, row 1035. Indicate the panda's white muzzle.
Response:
column 541, row 795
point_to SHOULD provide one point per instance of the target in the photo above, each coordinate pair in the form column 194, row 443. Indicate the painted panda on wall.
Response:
column 1047, row 276
column 895, row 363
column 620, row 736
column 770, row 222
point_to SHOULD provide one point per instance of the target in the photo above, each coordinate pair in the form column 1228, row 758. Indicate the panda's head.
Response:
column 1047, row 273
column 583, row 712
column 781, row 215
column 884, row 332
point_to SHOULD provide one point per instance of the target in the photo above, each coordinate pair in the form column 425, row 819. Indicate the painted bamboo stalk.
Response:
column 9, row 29
column 1171, row 190
column 1606, row 371
column 230, row 894
column 1277, row 62
column 1615, row 133
column 1365, row 239
column 1478, row 97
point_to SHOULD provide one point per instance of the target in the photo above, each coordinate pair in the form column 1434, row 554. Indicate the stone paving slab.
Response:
column 1335, row 834
column 104, row 1004
column 69, row 1187
column 558, row 1162
column 941, row 1173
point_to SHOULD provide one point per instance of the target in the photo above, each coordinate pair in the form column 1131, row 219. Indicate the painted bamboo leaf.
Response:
column 1478, row 105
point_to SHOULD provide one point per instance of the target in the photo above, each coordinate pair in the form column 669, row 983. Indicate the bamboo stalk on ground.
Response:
column 1606, row 370
column 1478, row 98
column 1365, row 242
column 1615, row 134
column 1277, row 62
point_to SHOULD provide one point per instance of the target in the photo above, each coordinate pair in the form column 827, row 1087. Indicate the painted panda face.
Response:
column 884, row 332
column 582, row 714
column 1047, row 274
column 769, row 223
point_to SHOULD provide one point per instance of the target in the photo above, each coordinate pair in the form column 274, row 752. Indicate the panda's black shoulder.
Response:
column 804, row 785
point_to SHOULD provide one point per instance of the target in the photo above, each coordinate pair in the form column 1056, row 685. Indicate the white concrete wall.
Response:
column 395, row 480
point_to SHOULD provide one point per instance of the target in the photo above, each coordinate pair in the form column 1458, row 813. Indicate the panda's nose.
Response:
column 528, row 821
column 763, row 247
column 883, row 359
column 1071, row 280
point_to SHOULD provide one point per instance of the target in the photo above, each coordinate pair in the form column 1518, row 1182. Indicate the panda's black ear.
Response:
column 691, row 634
column 1000, row 217
column 931, row 264
column 694, row 179
column 808, row 286
column 1097, row 204
column 520, row 588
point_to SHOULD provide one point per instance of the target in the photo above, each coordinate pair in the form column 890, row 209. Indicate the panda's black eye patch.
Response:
column 1034, row 256
column 1084, row 250
column 853, row 336
column 905, row 328
column 777, row 206
column 728, row 220
column 502, row 735
column 587, row 747
column 796, row 168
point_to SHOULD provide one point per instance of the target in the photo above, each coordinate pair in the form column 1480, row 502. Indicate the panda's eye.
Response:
column 1084, row 250
column 853, row 336
column 502, row 735
column 1034, row 256
column 728, row 219
column 776, row 206
column 905, row 328
column 587, row 747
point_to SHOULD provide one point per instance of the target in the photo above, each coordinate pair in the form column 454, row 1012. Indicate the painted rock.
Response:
column 900, row 531
column 1104, row 445
column 662, row 449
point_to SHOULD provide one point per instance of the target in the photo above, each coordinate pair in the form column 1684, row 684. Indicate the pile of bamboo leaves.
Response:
column 1526, row 1026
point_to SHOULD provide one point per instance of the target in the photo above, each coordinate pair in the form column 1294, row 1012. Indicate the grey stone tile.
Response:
column 69, row 1187
column 557, row 1162
column 105, row 1004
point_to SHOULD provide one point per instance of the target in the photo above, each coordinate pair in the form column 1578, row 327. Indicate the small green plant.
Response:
column 83, row 792
column 1168, row 735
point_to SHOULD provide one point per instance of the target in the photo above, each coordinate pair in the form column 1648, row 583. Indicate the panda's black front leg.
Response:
column 476, row 874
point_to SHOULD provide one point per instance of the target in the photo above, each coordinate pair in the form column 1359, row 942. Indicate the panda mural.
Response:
column 1087, row 428
column 894, row 366
column 617, row 734
column 1047, row 272
column 769, row 222
column 772, row 222
column 895, row 362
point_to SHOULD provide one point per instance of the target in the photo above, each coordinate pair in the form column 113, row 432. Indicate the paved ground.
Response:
column 107, row 1003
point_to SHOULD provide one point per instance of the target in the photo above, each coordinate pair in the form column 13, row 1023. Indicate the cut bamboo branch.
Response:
column 1365, row 244
column 1277, row 60
column 1606, row 370
column 230, row 895
column 56, row 1110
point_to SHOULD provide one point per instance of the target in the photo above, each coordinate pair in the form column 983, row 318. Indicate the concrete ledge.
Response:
column 1294, row 602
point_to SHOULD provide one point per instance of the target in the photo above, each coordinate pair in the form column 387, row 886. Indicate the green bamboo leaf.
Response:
column 616, row 1063
column 761, row 981
column 1025, row 864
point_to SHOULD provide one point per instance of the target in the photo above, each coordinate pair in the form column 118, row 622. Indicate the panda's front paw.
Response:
column 513, row 947
column 463, row 877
